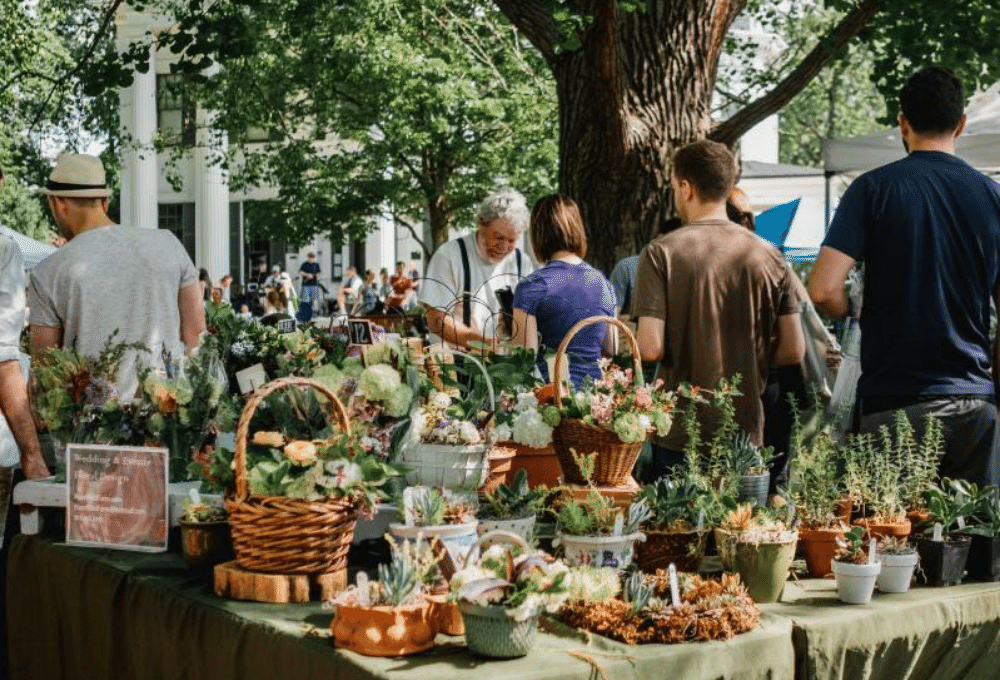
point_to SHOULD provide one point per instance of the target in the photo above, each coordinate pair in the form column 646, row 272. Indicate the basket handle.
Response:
column 498, row 535
column 583, row 323
column 482, row 368
column 337, row 413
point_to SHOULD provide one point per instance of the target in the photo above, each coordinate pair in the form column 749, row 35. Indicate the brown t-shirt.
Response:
column 720, row 290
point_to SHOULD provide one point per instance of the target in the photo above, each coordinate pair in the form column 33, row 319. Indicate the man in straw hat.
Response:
column 110, row 278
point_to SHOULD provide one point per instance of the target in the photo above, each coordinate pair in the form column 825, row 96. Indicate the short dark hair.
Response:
column 709, row 166
column 556, row 225
column 932, row 100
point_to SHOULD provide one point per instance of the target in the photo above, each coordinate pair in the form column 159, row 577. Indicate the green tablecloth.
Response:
column 933, row 633
column 81, row 613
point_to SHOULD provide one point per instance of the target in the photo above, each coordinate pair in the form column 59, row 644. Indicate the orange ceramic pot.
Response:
column 448, row 617
column 385, row 631
column 819, row 546
column 542, row 465
column 880, row 530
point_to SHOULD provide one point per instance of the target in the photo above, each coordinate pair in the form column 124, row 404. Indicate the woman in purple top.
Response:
column 549, row 301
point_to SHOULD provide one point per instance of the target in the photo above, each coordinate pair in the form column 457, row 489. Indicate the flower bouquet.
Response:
column 296, row 490
column 611, row 417
column 502, row 594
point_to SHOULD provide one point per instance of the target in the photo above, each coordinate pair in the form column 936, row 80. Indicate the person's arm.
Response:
column 192, row 312
column 791, row 349
column 451, row 329
column 650, row 338
column 17, row 410
column 525, row 329
column 826, row 281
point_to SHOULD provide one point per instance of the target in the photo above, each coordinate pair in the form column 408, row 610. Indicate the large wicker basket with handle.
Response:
column 285, row 535
column 615, row 458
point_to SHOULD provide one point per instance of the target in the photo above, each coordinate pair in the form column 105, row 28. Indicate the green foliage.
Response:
column 851, row 546
column 952, row 501
column 816, row 485
column 672, row 503
column 637, row 592
column 398, row 580
column 515, row 501
column 985, row 520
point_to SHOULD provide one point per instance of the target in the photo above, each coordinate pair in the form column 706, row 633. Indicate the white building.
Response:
column 209, row 218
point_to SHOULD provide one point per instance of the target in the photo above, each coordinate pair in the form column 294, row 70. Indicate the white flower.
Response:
column 530, row 430
column 469, row 434
column 399, row 403
column 645, row 421
column 503, row 433
column 379, row 382
column 440, row 400
column 526, row 401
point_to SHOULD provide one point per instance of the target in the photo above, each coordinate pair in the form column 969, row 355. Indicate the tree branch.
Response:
column 413, row 232
column 531, row 18
column 829, row 46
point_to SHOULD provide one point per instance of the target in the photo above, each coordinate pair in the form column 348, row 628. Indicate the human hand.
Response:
column 34, row 467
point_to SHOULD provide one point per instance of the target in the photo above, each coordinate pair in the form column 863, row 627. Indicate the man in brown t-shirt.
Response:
column 713, row 300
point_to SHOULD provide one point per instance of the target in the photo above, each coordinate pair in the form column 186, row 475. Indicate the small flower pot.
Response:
column 942, row 563
column 880, row 530
column 856, row 582
column 683, row 549
column 763, row 567
column 206, row 544
column 459, row 539
column 385, row 631
column 754, row 488
column 984, row 558
column 897, row 572
column 489, row 631
column 523, row 527
column 598, row 551
column 819, row 546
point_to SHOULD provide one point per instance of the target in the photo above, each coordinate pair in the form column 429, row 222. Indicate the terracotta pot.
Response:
column 447, row 615
column 881, row 529
column 206, row 544
column 500, row 461
column 918, row 517
column 385, row 631
column 684, row 549
column 843, row 509
column 542, row 465
column 819, row 546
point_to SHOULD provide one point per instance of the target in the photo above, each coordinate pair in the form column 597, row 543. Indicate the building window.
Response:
column 178, row 219
column 175, row 110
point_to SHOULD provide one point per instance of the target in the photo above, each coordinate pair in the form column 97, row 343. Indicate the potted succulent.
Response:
column 675, row 528
column 984, row 529
column 749, row 464
column 899, row 560
column 512, row 508
column 763, row 548
column 390, row 617
column 430, row 514
column 205, row 537
column 855, row 570
column 877, row 482
column 502, row 594
column 816, row 489
column 943, row 548
column 592, row 529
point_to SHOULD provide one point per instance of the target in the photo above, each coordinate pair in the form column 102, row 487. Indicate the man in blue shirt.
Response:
column 928, row 230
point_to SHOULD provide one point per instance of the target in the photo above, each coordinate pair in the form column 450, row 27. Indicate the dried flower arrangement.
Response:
column 642, row 614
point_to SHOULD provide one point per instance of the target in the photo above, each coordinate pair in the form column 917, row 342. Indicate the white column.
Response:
column 380, row 246
column 138, row 125
column 211, row 200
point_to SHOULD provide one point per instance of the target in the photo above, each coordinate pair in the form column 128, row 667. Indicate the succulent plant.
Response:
column 637, row 592
column 398, row 579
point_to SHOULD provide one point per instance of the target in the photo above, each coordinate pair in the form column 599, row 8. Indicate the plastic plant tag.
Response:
column 363, row 590
column 872, row 551
column 701, row 520
column 675, row 591
column 411, row 495
column 937, row 532
column 961, row 523
column 195, row 496
column 619, row 525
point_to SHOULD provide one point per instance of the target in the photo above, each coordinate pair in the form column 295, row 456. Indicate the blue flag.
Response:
column 773, row 225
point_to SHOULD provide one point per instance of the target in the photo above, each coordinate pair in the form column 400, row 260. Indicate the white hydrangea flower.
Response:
column 469, row 434
column 526, row 401
column 399, row 403
column 503, row 433
column 530, row 430
column 440, row 400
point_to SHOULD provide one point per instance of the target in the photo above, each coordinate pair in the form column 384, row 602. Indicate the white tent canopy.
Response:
column 979, row 144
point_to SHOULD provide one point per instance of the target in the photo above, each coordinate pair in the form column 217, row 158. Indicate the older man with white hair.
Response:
column 469, row 278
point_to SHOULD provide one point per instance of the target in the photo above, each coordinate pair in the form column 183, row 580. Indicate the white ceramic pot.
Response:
column 855, row 582
column 523, row 527
column 446, row 465
column 897, row 572
column 459, row 539
column 599, row 551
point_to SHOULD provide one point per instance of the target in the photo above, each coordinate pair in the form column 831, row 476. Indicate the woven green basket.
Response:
column 489, row 631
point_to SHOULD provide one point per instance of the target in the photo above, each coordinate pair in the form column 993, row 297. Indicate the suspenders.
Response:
column 467, row 280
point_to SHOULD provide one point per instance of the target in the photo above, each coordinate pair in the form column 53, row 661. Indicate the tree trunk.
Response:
column 640, row 88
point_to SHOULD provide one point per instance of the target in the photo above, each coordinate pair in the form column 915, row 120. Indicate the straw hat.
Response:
column 77, row 176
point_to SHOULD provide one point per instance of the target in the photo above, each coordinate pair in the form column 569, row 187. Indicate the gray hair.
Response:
column 505, row 204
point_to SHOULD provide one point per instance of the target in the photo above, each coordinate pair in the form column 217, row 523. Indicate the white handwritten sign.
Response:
column 117, row 497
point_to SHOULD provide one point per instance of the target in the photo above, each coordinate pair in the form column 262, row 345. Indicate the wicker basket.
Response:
column 615, row 458
column 285, row 535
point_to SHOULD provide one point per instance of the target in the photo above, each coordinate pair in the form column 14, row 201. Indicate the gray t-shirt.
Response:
column 114, row 278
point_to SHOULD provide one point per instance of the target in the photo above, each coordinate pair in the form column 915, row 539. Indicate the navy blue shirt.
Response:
column 308, row 267
column 558, row 295
column 928, row 230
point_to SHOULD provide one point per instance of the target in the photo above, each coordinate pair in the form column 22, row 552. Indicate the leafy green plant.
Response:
column 816, row 485
column 398, row 580
column 515, row 501
column 949, row 504
column 637, row 592
column 985, row 519
column 851, row 546
column 673, row 503
column 746, row 458
column 202, row 512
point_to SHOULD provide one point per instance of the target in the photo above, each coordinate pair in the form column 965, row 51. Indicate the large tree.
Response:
column 635, row 80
